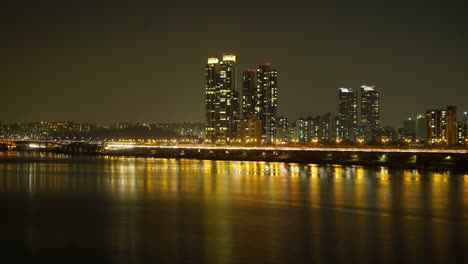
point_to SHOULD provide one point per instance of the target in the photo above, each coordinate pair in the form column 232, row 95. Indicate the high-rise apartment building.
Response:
column 283, row 131
column 441, row 126
column 370, row 107
column 327, row 128
column 420, row 127
column 266, row 101
column 461, row 133
column 451, row 136
column 249, row 96
column 409, row 126
column 221, row 100
column 211, row 100
column 347, row 114
column 414, row 127
column 259, row 100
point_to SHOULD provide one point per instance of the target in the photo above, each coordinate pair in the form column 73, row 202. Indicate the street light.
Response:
column 360, row 141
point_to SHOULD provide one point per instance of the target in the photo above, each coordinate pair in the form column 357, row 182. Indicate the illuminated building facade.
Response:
column 462, row 130
column 461, row 133
column 211, row 100
column 346, row 128
column 266, row 101
column 370, row 107
column 370, row 111
column 441, row 126
column 451, row 136
column 420, row 131
column 414, row 128
column 250, row 131
column 465, row 119
column 249, row 86
column 327, row 128
column 283, row 131
column 409, row 126
column 221, row 100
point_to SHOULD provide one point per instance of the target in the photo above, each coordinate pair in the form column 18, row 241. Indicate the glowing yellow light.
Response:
column 229, row 57
column 213, row 60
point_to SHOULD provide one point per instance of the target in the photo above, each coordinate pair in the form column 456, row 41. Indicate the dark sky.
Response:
column 107, row 62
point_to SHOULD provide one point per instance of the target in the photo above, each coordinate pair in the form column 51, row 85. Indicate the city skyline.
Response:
column 62, row 63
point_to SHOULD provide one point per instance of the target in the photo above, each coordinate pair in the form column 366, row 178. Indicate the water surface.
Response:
column 123, row 209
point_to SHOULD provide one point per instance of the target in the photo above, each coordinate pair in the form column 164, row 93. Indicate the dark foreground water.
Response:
column 127, row 210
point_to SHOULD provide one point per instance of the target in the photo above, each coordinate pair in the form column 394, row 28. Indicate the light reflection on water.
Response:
column 234, row 211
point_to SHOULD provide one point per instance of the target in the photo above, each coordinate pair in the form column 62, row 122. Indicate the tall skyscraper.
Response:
column 249, row 98
column 347, row 114
column 267, row 101
column 250, row 128
column 221, row 100
column 211, row 100
column 370, row 107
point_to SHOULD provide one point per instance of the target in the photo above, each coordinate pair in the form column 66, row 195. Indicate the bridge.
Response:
column 356, row 155
column 34, row 144
column 353, row 155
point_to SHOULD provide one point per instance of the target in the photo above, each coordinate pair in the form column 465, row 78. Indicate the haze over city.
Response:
column 145, row 63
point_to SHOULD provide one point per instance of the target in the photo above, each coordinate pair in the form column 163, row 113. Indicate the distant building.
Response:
column 266, row 96
column 461, row 133
column 301, row 131
column 465, row 119
column 259, row 100
column 441, row 126
column 250, row 131
column 347, row 114
column 211, row 100
column 370, row 111
column 409, row 126
column 249, row 97
column 314, row 129
column 327, row 128
column 283, row 131
column 404, row 136
column 420, row 127
column 221, row 100
column 414, row 128
column 451, row 136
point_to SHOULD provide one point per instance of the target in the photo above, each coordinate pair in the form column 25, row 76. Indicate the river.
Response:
column 141, row 210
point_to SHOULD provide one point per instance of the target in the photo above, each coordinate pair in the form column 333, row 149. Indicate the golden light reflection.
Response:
column 360, row 187
column 338, row 172
column 411, row 175
column 338, row 185
column 440, row 177
column 383, row 174
column 360, row 172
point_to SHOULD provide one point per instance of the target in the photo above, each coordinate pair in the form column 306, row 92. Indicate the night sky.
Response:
column 114, row 62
